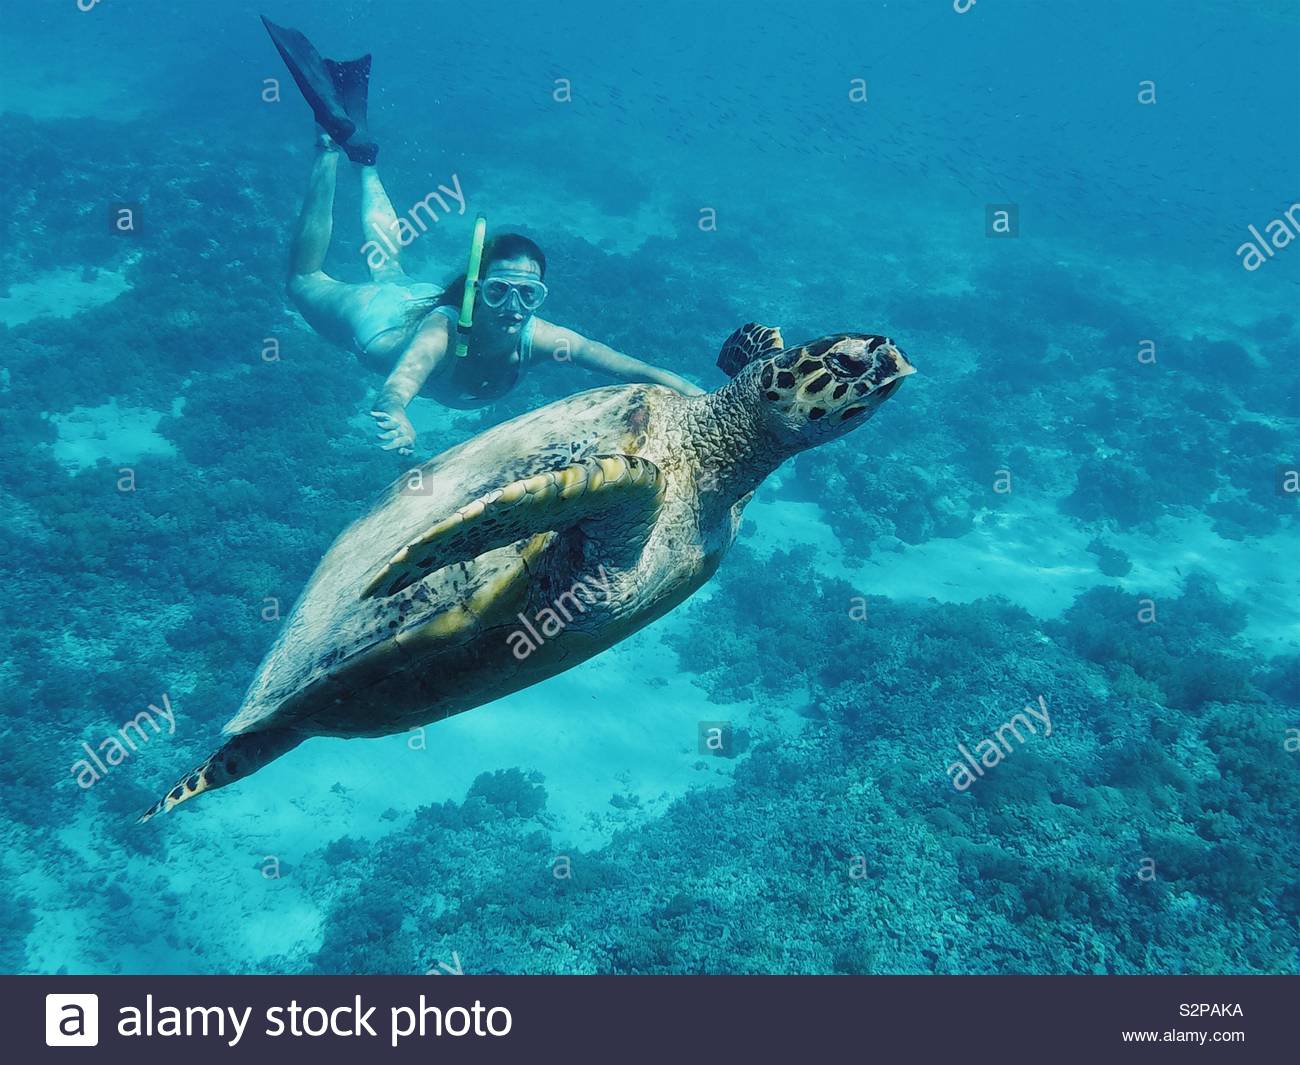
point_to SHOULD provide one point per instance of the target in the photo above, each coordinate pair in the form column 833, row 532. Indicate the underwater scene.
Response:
column 837, row 514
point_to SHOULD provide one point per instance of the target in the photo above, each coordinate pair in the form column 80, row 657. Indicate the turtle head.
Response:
column 820, row 390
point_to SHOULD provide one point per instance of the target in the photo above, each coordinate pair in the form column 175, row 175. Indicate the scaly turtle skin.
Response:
column 538, row 544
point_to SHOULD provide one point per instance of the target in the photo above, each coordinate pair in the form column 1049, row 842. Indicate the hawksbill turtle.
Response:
column 417, row 610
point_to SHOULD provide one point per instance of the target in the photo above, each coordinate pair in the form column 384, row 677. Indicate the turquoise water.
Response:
column 1080, row 504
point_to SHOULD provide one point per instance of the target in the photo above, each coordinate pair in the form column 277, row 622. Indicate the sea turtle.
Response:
column 538, row 544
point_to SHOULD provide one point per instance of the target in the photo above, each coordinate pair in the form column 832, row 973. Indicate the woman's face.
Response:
column 511, row 315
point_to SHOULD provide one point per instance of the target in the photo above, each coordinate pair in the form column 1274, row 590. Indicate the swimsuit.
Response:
column 525, row 344
column 385, row 311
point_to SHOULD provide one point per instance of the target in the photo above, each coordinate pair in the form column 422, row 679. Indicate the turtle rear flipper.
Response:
column 606, row 494
column 237, row 758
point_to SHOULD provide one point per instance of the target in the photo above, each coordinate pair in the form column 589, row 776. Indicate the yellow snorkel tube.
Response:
column 466, row 322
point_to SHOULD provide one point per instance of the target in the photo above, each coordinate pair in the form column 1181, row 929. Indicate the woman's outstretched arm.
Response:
column 564, row 345
column 422, row 357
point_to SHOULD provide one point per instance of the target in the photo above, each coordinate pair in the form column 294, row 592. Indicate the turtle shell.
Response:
column 349, row 665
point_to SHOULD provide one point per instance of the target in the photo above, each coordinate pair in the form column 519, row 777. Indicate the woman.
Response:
column 393, row 315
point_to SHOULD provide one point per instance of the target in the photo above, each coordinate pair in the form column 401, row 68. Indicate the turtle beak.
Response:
column 886, row 378
column 891, row 374
column 882, row 392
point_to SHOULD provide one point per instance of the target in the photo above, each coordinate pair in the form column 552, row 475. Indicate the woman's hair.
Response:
column 502, row 246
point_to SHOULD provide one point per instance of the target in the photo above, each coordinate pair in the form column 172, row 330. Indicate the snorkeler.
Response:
column 462, row 352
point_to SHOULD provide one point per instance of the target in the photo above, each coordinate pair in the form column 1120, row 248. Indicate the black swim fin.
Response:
column 336, row 92
column 351, row 79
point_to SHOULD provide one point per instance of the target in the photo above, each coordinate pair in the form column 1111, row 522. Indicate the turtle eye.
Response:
column 844, row 365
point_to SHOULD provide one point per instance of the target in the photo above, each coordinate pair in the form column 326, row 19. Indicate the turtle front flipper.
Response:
column 748, row 343
column 619, row 489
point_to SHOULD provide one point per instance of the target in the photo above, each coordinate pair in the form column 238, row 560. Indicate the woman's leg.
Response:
column 311, row 240
column 350, row 316
column 379, row 224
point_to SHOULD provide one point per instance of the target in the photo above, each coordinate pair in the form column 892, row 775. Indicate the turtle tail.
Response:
column 235, row 759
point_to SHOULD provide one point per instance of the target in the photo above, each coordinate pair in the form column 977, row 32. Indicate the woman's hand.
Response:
column 395, row 428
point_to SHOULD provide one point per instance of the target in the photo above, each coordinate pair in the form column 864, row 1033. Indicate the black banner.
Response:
column 578, row 1019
